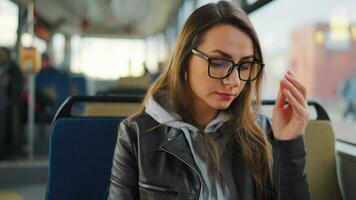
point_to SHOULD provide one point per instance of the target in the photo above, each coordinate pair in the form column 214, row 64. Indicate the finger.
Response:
column 291, row 73
column 295, row 92
column 297, row 84
column 296, row 106
column 281, row 98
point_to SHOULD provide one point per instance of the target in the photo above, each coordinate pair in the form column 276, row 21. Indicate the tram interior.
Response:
column 94, row 60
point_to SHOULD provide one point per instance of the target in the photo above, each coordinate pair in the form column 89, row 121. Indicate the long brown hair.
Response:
column 247, row 134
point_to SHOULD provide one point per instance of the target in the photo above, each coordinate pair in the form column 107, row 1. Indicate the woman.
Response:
column 199, row 136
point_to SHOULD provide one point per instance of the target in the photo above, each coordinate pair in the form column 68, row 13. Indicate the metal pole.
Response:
column 32, row 85
column 67, row 53
column 19, row 32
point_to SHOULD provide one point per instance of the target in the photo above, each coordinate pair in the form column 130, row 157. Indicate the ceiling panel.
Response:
column 114, row 18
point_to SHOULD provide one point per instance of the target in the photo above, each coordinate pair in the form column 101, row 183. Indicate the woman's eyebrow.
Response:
column 222, row 53
column 229, row 56
column 247, row 57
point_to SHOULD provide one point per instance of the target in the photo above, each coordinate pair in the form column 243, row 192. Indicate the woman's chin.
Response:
column 221, row 105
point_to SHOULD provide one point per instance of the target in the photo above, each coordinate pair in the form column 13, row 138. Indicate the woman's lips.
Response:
column 225, row 96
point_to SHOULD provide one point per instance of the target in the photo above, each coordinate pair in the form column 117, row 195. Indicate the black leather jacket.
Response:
column 149, row 163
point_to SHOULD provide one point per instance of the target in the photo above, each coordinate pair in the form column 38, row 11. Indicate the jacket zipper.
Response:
column 157, row 188
column 195, row 171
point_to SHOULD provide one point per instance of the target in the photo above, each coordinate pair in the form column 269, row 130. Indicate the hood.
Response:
column 161, row 108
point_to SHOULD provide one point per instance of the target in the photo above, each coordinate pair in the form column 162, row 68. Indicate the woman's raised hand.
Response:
column 289, row 120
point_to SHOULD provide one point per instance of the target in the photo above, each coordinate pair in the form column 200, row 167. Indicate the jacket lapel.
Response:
column 177, row 145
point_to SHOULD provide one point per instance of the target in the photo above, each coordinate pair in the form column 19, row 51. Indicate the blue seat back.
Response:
column 78, row 84
column 81, row 152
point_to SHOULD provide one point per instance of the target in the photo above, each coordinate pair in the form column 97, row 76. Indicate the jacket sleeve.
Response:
column 289, row 170
column 289, row 167
column 124, row 175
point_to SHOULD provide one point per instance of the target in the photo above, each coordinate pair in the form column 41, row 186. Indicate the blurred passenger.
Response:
column 155, row 75
column 45, row 94
column 199, row 137
column 348, row 92
column 11, row 84
column 52, row 88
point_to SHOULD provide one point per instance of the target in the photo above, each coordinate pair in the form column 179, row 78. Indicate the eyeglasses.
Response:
column 219, row 68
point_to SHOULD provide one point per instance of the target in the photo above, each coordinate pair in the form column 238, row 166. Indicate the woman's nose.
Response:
column 233, row 78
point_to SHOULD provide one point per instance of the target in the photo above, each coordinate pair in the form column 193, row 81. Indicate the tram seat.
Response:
column 122, row 91
column 81, row 151
column 110, row 110
column 134, row 82
column 321, row 161
column 128, row 86
column 81, row 160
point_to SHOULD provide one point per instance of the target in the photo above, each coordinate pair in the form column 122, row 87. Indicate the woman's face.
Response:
column 221, row 41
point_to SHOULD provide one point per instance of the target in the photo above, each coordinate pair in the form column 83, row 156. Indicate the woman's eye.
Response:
column 220, row 63
column 245, row 66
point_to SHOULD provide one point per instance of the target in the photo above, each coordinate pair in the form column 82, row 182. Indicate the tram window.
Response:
column 27, row 40
column 119, row 57
column 8, row 19
column 319, row 47
column 58, row 42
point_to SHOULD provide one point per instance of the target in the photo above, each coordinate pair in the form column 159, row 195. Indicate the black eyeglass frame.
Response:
column 238, row 65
